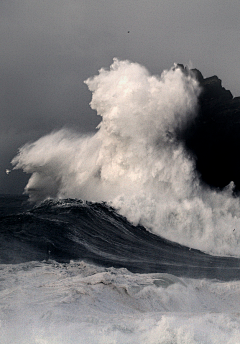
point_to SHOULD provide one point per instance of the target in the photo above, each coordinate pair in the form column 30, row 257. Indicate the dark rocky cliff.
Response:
column 214, row 137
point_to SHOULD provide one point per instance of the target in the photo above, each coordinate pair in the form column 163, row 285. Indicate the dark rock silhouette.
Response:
column 213, row 139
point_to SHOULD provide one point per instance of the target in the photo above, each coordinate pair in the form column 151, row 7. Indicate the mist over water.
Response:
column 135, row 161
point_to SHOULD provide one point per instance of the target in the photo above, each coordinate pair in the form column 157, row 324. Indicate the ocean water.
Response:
column 116, row 239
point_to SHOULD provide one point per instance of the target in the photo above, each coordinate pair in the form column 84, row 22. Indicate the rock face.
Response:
column 214, row 138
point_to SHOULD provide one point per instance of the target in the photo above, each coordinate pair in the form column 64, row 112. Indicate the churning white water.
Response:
column 79, row 303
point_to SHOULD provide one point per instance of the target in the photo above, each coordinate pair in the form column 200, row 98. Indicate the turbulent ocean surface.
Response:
column 117, row 238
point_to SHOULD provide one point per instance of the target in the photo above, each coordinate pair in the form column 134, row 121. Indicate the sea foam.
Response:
column 49, row 302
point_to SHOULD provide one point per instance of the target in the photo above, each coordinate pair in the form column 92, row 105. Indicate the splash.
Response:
column 135, row 161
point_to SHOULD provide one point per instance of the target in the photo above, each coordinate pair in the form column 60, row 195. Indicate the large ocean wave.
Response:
column 136, row 162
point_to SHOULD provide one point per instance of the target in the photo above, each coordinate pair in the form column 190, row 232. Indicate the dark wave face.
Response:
column 72, row 229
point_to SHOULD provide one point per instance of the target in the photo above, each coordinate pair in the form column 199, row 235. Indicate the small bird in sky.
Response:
column 8, row 171
column 128, row 31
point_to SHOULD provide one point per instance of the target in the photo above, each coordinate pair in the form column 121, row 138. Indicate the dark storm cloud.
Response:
column 48, row 48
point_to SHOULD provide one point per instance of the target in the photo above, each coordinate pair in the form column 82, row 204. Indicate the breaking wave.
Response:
column 135, row 161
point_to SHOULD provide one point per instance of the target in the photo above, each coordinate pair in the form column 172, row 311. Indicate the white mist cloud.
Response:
column 140, row 114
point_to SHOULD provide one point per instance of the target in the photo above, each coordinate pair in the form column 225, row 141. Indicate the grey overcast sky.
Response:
column 49, row 47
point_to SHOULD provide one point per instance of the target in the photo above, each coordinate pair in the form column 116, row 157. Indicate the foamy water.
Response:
column 48, row 303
